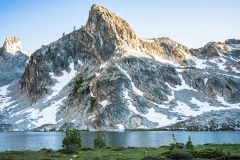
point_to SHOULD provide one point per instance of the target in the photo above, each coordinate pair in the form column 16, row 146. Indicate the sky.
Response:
column 192, row 23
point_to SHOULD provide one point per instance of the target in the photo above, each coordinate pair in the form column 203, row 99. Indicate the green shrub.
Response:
column 119, row 149
column 46, row 150
column 86, row 149
column 93, row 103
column 72, row 140
column 189, row 144
column 179, row 154
column 208, row 153
column 228, row 158
column 172, row 146
column 77, row 85
column 53, row 129
column 100, row 142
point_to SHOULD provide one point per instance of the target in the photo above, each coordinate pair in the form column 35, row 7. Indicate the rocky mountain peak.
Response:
column 13, row 60
column 109, row 29
column 106, row 25
column 13, row 45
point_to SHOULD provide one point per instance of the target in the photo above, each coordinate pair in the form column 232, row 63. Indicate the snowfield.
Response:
column 47, row 115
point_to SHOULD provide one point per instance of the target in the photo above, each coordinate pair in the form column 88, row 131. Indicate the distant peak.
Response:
column 13, row 45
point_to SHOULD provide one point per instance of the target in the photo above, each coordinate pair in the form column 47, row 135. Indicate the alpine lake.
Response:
column 20, row 141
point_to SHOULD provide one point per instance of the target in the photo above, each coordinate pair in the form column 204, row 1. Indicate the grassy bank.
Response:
column 223, row 151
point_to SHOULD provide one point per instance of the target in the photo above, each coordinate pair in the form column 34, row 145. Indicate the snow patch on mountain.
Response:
column 91, row 94
column 153, row 116
column 201, row 64
column 20, row 121
column 161, row 119
column 103, row 65
column 148, row 40
column 104, row 103
column 221, row 99
column 120, row 127
column 4, row 101
column 61, row 81
column 126, row 95
column 162, row 60
column 47, row 115
column 97, row 74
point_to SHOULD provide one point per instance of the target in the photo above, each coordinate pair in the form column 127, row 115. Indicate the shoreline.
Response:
column 206, row 151
column 129, row 147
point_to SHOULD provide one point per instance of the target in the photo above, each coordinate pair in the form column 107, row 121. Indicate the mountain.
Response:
column 104, row 77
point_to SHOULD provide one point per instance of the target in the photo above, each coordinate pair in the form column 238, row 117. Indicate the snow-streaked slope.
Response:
column 140, row 93
column 62, row 81
column 47, row 115
column 152, row 115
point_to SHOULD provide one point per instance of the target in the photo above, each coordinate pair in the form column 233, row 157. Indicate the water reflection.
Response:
column 38, row 140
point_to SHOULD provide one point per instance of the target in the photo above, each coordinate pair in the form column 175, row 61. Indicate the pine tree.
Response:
column 173, row 145
column 100, row 142
column 72, row 140
column 74, row 28
column 189, row 144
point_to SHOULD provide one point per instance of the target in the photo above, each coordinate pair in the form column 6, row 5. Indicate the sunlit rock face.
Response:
column 12, row 45
column 104, row 77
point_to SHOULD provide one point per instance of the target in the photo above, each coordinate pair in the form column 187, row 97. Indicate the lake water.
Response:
column 53, row 140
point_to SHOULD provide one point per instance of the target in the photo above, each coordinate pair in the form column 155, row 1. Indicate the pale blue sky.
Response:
column 190, row 22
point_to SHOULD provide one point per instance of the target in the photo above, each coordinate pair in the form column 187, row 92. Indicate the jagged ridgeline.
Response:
column 104, row 77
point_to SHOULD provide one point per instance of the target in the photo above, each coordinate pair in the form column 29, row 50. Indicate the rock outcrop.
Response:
column 108, row 29
column 104, row 77
column 214, row 85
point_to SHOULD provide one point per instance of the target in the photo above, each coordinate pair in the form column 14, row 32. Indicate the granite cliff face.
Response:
column 104, row 77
